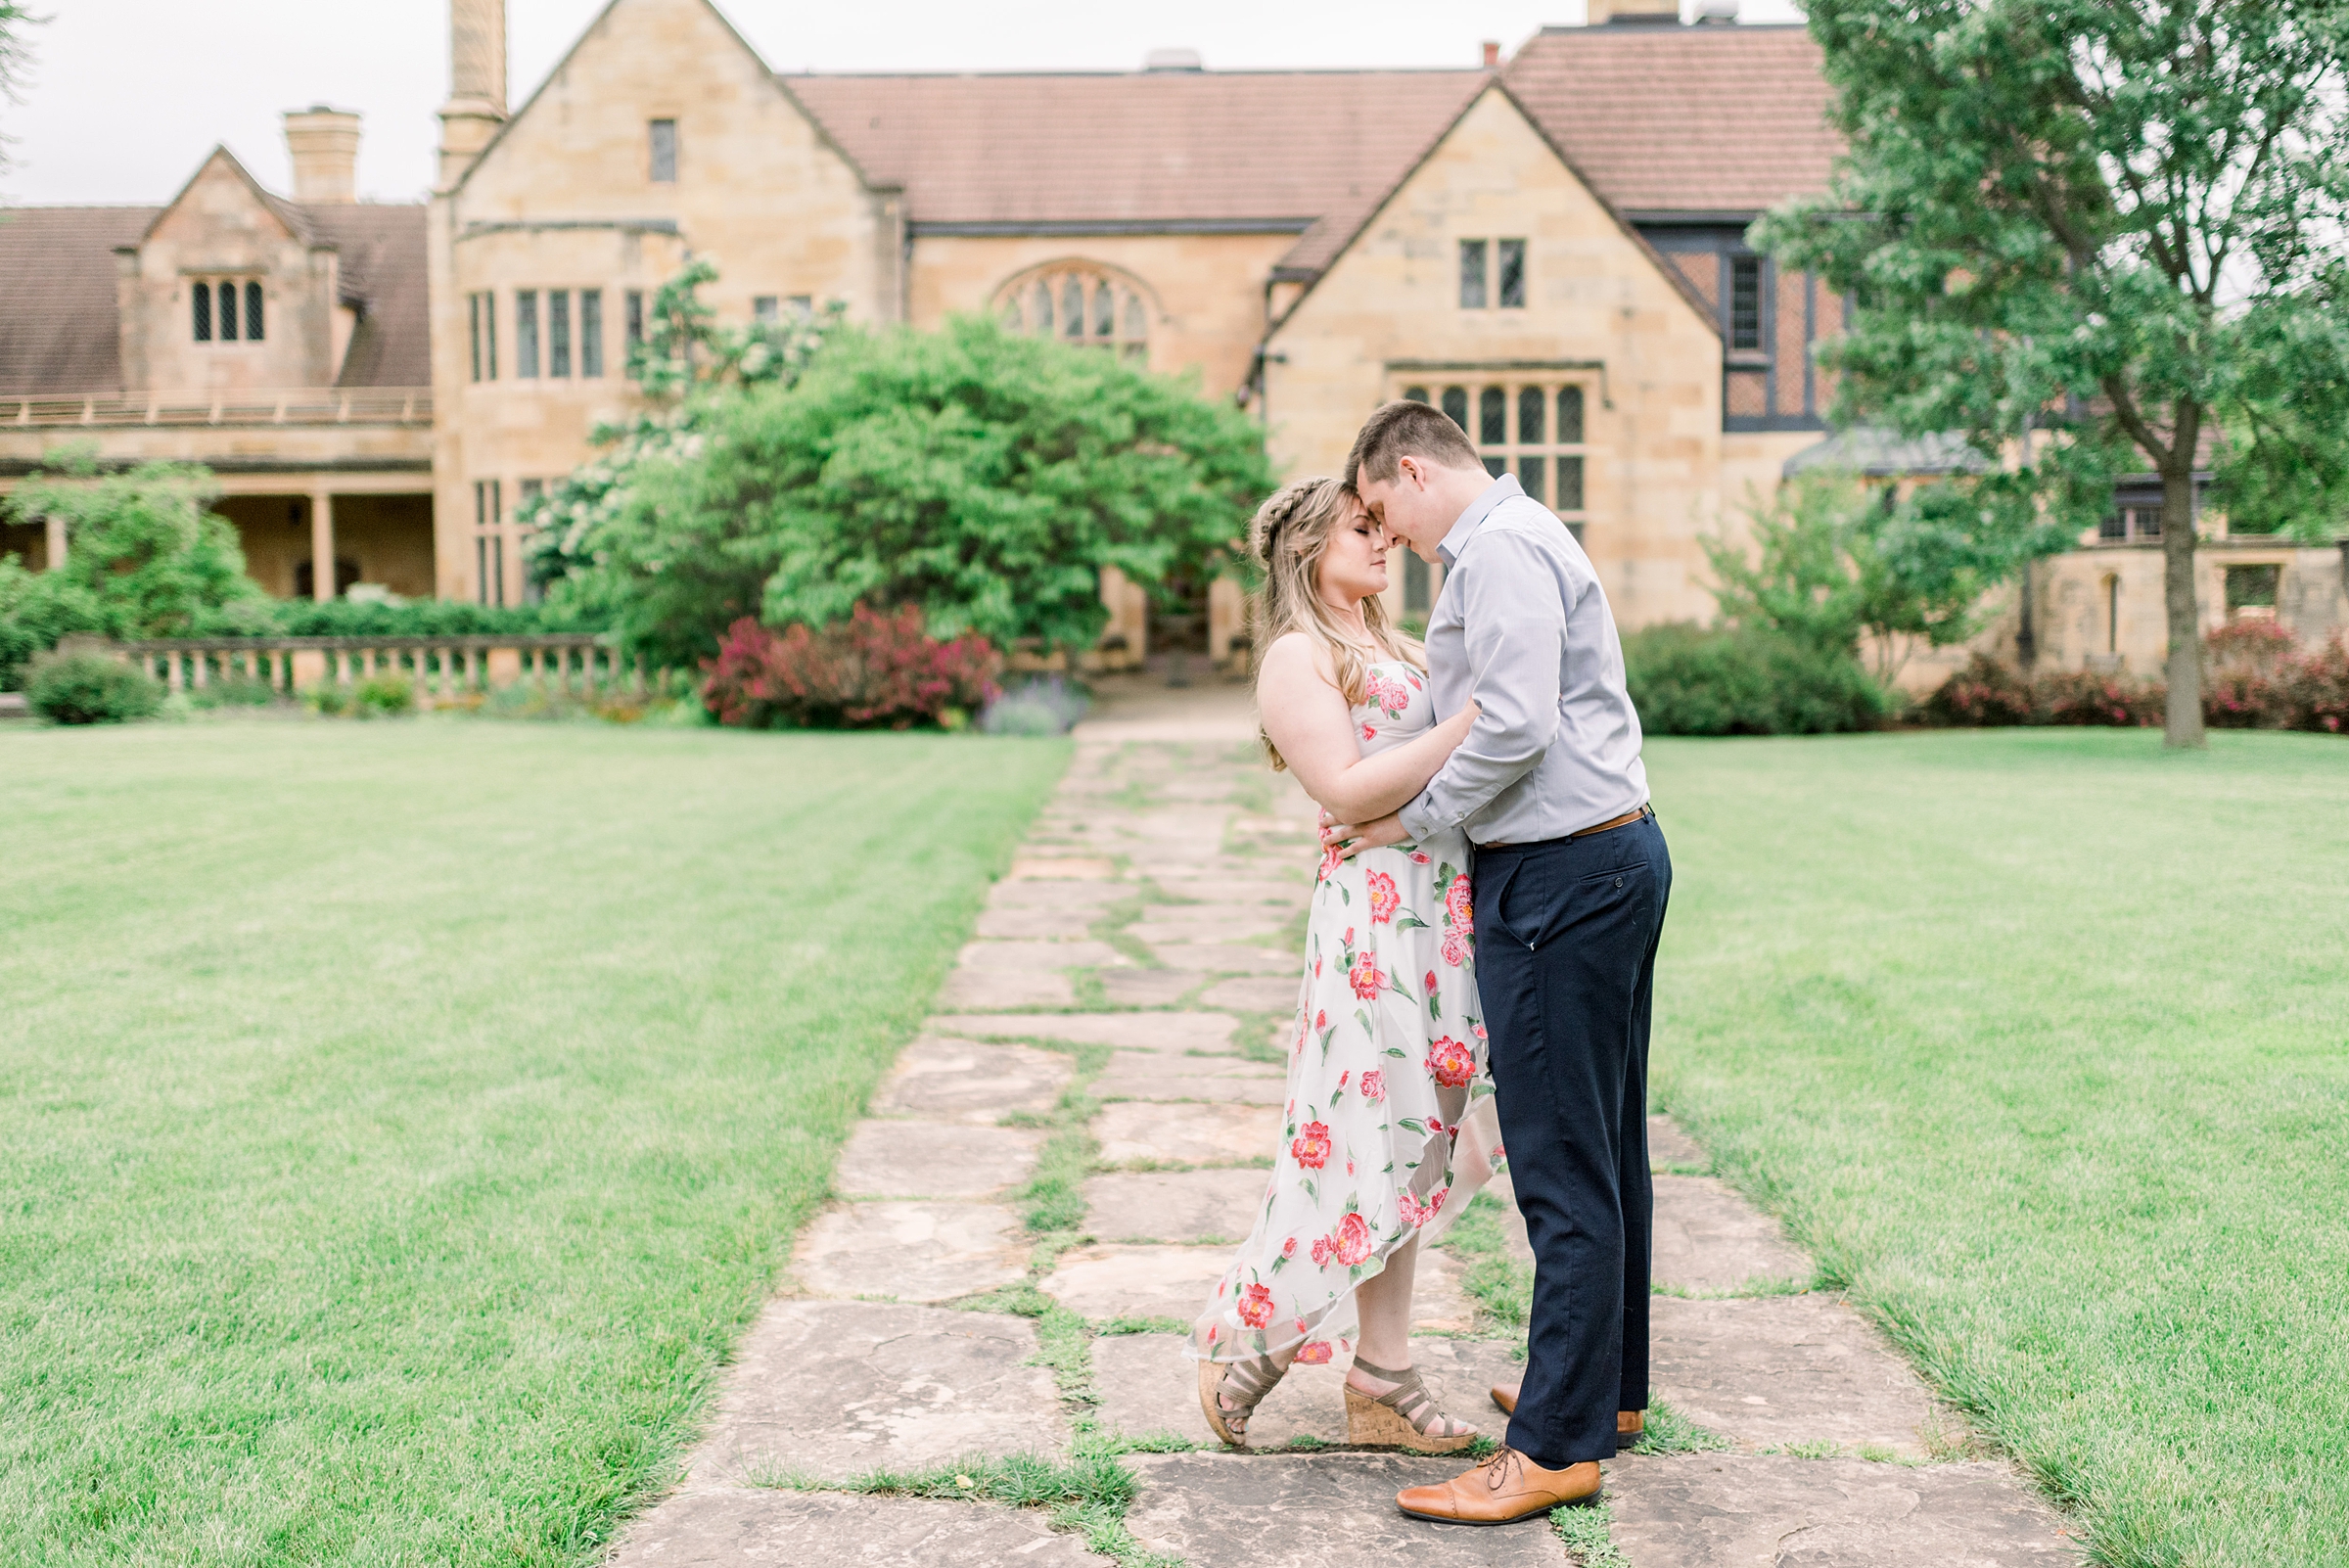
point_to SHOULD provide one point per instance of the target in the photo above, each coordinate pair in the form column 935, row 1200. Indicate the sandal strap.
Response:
column 1409, row 1398
column 1246, row 1383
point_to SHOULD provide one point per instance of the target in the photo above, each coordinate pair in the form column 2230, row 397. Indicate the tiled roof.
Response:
column 1724, row 119
column 56, row 327
column 1659, row 120
column 1313, row 148
column 59, row 334
column 381, row 256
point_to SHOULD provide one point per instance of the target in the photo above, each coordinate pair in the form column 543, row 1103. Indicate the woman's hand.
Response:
column 1456, row 728
column 1346, row 840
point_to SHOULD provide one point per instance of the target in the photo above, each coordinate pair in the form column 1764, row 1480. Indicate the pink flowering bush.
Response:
column 870, row 672
column 2255, row 675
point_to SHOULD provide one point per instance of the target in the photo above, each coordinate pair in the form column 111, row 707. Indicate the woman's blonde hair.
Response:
column 1290, row 534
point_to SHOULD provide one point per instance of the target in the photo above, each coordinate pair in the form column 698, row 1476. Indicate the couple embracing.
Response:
column 1479, row 955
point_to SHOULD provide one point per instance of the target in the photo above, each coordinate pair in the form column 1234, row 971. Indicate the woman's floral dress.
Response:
column 1389, row 1125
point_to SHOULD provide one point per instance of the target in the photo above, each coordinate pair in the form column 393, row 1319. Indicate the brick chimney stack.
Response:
column 1492, row 54
column 325, row 145
column 477, row 84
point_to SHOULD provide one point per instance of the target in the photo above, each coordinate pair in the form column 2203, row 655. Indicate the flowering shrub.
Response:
column 2246, row 668
column 2317, row 688
column 2255, row 676
column 1984, row 692
column 2092, row 697
column 871, row 671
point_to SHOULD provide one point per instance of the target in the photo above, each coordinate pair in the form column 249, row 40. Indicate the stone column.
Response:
column 322, row 547
column 57, row 540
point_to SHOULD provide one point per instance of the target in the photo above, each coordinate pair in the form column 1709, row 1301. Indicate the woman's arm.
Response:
column 1308, row 720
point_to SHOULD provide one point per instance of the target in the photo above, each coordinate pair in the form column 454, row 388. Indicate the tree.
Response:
column 144, row 558
column 2109, row 222
column 985, row 477
column 14, row 54
column 583, row 548
column 1835, row 563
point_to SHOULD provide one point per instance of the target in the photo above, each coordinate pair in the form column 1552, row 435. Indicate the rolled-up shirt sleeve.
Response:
column 1513, row 619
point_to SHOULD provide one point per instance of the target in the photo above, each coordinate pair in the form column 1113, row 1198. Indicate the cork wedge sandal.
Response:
column 1249, row 1380
column 1404, row 1416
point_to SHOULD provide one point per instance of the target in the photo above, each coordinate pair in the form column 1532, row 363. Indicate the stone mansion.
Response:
column 1549, row 246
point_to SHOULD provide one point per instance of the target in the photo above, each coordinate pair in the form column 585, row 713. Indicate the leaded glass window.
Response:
column 1472, row 274
column 201, row 298
column 1512, row 273
column 1077, row 303
column 1514, row 433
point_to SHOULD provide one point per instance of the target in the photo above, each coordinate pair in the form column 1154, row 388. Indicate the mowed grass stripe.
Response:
column 404, row 1119
column 2041, row 1039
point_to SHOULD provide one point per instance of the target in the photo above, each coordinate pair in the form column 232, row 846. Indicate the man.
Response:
column 1571, row 878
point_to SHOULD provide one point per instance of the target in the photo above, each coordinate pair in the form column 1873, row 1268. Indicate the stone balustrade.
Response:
column 438, row 667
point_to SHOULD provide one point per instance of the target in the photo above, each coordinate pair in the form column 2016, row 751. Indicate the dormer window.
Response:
column 216, row 314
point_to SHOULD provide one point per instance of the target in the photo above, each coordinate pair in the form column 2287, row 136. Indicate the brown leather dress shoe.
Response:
column 1504, row 1488
column 1629, row 1426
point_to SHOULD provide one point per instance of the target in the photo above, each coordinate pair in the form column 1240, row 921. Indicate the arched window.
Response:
column 1081, row 303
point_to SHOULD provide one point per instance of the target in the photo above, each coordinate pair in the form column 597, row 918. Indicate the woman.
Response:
column 1388, row 1060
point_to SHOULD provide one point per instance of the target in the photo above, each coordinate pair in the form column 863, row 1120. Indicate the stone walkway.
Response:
column 1106, row 1043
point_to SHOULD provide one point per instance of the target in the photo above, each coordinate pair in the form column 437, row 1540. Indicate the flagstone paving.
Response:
column 1124, row 1003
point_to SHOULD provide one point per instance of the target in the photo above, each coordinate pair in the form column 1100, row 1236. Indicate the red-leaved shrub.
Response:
column 870, row 672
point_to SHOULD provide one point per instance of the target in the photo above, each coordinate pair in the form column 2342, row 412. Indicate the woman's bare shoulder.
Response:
column 1295, row 659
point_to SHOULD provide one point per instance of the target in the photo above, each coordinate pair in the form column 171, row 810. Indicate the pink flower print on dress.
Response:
column 1314, row 1353
column 1311, row 1147
column 1374, row 1086
column 1288, row 1248
column 1384, row 899
column 1413, row 1213
column 1331, row 860
column 1256, row 1306
column 1451, row 1062
column 1419, row 858
column 1370, row 732
column 1322, row 1251
column 1365, row 977
column 1350, row 1243
column 1388, row 695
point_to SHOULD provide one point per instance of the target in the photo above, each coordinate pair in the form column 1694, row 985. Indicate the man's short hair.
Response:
column 1403, row 429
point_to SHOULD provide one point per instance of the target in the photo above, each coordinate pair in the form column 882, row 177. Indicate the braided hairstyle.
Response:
column 1288, row 537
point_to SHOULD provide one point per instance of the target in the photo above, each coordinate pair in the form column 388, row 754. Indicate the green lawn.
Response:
column 402, row 1120
column 2041, row 1040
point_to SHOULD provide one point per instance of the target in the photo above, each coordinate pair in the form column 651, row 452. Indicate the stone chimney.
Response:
column 325, row 143
column 477, row 84
column 1634, row 13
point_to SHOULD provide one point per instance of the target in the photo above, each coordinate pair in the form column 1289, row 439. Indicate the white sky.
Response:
column 126, row 96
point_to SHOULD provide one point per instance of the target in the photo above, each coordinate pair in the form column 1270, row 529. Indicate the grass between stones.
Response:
column 1588, row 1533
column 1088, row 1494
column 2034, row 1040
column 405, row 1120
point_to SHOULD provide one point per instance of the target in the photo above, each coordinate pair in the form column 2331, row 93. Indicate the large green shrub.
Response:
column 144, row 558
column 984, row 478
column 1693, row 681
column 90, row 688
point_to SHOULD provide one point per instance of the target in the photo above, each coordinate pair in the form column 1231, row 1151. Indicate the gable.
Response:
column 1494, row 173
column 223, row 212
column 581, row 141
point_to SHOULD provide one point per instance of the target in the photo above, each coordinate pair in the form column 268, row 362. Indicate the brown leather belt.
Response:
column 1608, row 826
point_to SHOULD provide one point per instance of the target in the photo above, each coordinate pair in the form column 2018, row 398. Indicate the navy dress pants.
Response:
column 1566, row 935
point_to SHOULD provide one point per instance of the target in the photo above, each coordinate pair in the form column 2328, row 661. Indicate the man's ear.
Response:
column 1408, row 468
